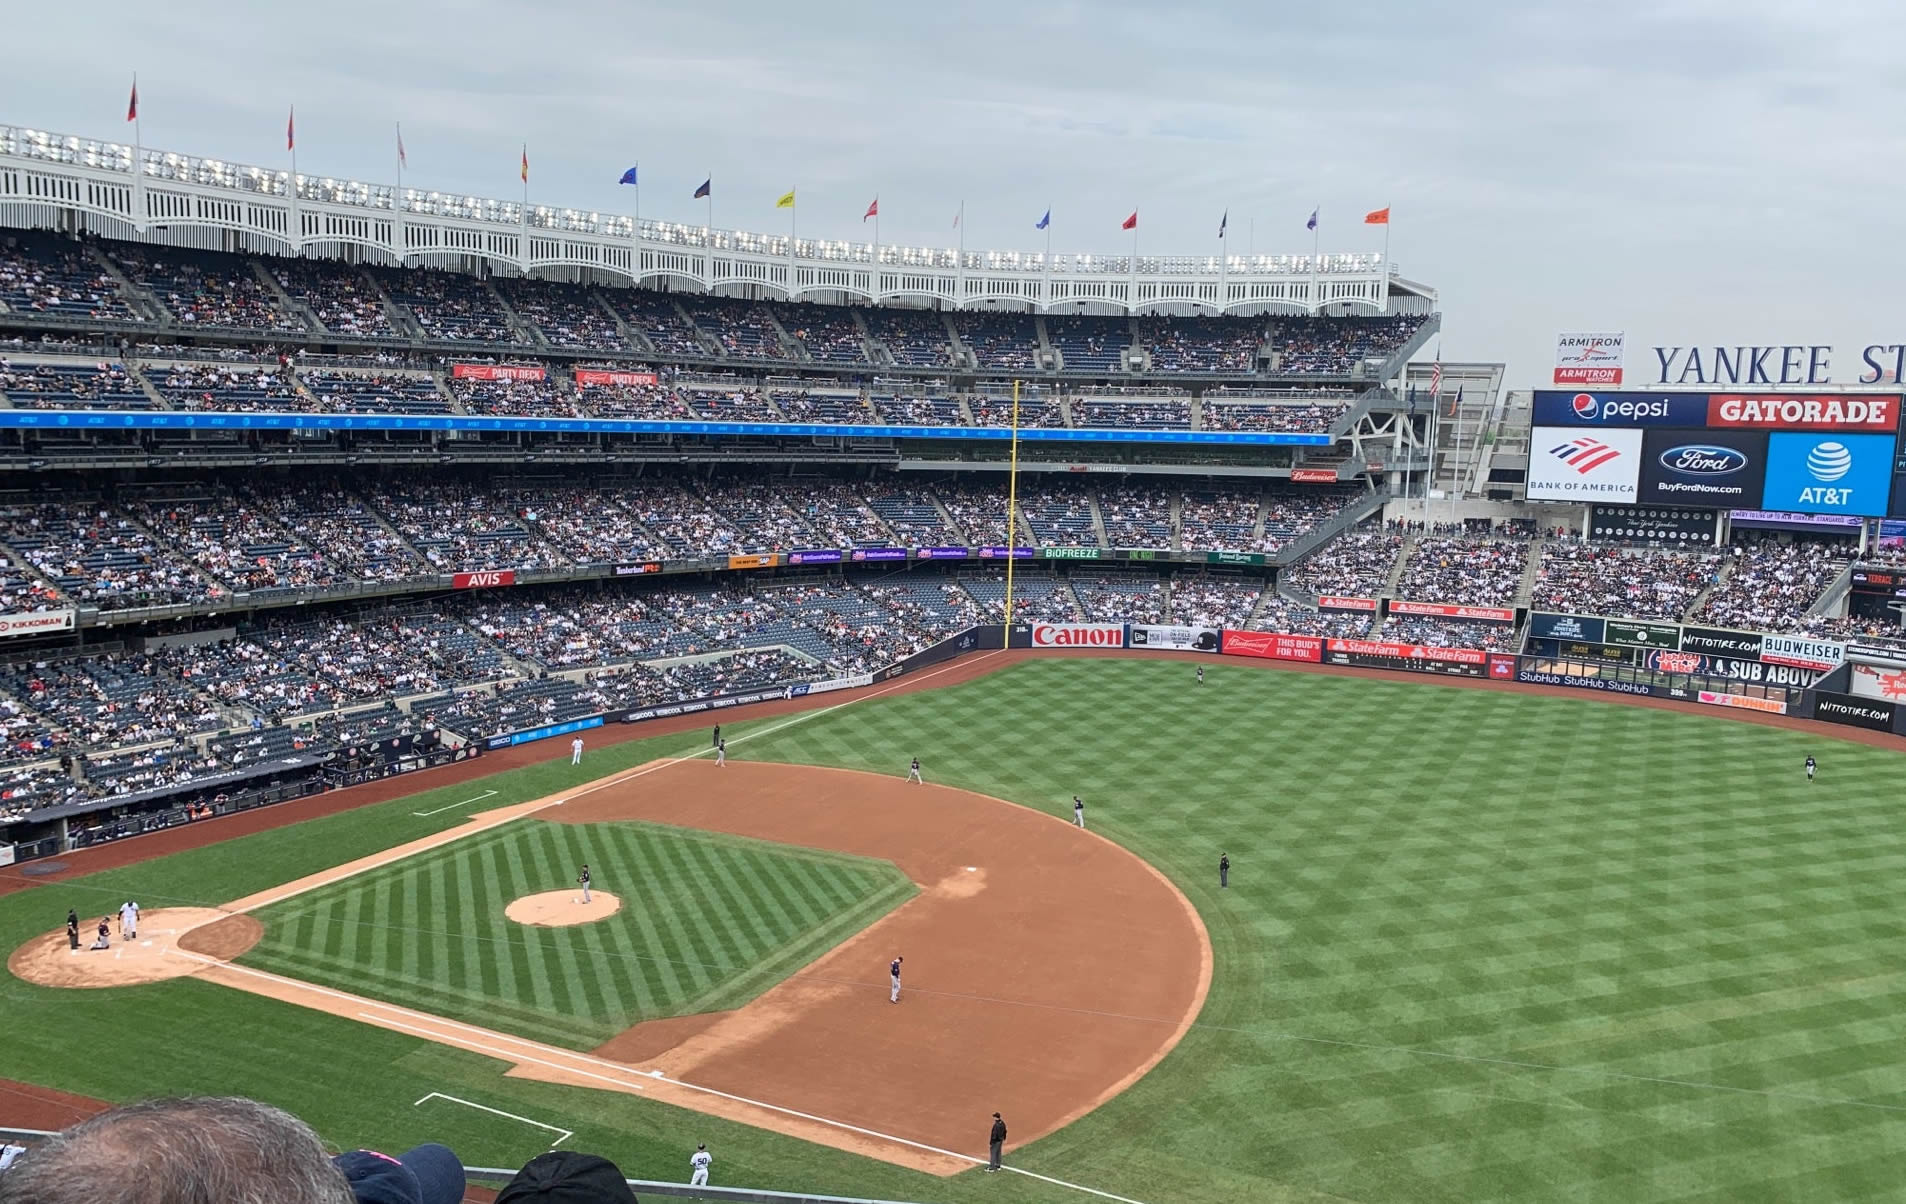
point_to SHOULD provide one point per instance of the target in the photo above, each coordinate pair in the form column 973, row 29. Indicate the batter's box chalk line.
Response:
column 562, row 1134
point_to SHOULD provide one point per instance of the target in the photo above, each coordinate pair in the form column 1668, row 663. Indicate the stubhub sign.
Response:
column 1611, row 408
column 1828, row 473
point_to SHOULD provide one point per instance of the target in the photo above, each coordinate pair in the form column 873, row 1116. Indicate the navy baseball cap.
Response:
column 429, row 1174
column 566, row 1177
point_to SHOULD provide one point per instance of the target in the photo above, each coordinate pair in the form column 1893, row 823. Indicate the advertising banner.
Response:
column 1078, row 635
column 873, row 554
column 1710, row 641
column 490, row 579
column 1253, row 558
column 815, row 556
column 1884, row 582
column 1014, row 553
column 1607, row 685
column 1318, row 476
column 1701, row 467
column 1567, row 465
column 1565, row 627
column 1878, row 681
column 759, row 560
column 1560, row 407
column 1576, row 650
column 1415, row 658
column 36, row 622
column 1853, row 711
column 498, row 371
column 638, row 570
column 1272, row 645
column 1828, row 474
column 1332, row 602
column 940, row 553
column 1758, row 672
column 1070, row 553
column 1589, row 359
column 1184, row 639
column 6, row 854
column 1804, row 651
column 1872, row 413
column 1502, row 667
column 1781, row 520
column 698, row 705
column 1449, row 610
column 543, row 733
column 592, row 376
column 1772, row 706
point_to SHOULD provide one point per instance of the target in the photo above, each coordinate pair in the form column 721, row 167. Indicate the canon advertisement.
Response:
column 1078, row 635
column 1694, row 466
column 1567, row 464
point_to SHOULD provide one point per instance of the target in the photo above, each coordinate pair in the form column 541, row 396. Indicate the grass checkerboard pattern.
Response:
column 707, row 923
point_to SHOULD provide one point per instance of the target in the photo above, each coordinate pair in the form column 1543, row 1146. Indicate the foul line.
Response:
column 565, row 1134
column 453, row 806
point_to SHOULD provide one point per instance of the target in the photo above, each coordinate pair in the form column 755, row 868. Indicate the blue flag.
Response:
column 1312, row 223
column 628, row 177
column 1223, row 222
column 1043, row 222
column 703, row 190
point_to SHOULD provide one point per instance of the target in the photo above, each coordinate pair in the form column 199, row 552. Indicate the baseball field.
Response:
column 1478, row 945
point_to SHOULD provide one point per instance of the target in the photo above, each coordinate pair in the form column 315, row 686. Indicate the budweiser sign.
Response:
column 1830, row 412
column 489, row 579
column 1272, row 645
column 595, row 376
column 1078, row 635
column 1314, row 475
column 1332, row 602
column 1447, row 610
column 36, row 622
column 498, row 371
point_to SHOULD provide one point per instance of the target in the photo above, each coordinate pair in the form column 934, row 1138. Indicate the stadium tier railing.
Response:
column 682, row 1191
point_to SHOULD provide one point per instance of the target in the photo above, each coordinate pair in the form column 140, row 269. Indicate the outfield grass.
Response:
column 1478, row 946
column 707, row 923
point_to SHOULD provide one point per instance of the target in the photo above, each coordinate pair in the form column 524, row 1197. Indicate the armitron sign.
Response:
column 1078, row 635
column 485, row 580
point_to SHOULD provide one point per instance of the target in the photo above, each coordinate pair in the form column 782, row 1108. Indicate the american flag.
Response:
column 1436, row 377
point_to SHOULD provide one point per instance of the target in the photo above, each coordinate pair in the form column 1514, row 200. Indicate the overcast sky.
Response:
column 1686, row 170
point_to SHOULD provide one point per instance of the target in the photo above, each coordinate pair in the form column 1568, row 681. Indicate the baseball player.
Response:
column 1224, row 869
column 575, row 751
column 72, row 929
column 714, row 741
column 913, row 771
column 893, row 971
column 128, row 921
column 1078, row 811
column 1810, row 768
column 582, row 880
column 721, row 751
column 105, row 940
column 699, row 1160
column 1201, row 675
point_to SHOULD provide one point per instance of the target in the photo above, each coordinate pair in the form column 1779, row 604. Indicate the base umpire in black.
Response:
column 994, row 1142
column 1224, row 869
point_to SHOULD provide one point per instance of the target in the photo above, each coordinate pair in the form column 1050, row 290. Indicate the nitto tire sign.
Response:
column 1078, row 635
column 1854, row 712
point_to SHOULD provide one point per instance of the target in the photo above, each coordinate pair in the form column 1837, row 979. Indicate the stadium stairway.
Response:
column 1178, row 519
column 282, row 300
column 1693, row 611
column 1046, row 356
column 1403, row 555
column 796, row 351
column 1098, row 518
column 524, row 330
column 1530, row 571
column 630, row 336
column 142, row 303
column 401, row 319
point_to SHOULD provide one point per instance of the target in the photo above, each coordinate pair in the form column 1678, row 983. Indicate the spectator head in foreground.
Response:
column 429, row 1174
column 205, row 1150
column 566, row 1177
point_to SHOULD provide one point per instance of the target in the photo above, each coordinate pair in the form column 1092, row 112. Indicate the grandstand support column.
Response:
column 1012, row 526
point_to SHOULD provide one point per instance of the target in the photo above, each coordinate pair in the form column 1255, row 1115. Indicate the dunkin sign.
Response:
column 1078, row 635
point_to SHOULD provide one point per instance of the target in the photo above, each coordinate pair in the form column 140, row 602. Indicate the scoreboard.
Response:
column 1824, row 453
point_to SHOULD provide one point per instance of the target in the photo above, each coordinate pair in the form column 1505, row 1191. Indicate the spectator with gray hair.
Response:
column 205, row 1150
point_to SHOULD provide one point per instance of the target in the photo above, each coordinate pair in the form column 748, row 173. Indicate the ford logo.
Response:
column 1703, row 459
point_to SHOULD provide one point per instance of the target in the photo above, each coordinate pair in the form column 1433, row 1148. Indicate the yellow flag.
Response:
column 787, row 201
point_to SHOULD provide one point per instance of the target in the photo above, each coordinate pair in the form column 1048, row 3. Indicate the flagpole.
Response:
column 1047, row 300
column 708, row 233
column 636, row 230
column 138, row 162
column 1386, row 238
column 1316, row 238
column 1251, row 250
column 1012, row 527
column 397, row 202
column 291, row 186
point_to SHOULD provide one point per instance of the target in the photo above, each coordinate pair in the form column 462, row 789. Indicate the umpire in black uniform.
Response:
column 994, row 1141
column 72, row 929
column 1224, row 869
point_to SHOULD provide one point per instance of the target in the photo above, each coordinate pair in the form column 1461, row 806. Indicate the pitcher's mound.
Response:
column 561, row 908
column 165, row 947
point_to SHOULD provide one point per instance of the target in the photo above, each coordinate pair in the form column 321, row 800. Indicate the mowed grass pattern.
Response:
column 707, row 923
column 1477, row 946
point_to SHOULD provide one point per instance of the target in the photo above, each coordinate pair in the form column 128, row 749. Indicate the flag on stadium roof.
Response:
column 1223, row 222
column 403, row 160
column 1043, row 222
column 1130, row 223
column 873, row 210
column 291, row 129
column 786, row 201
column 1377, row 217
column 132, row 106
column 1312, row 223
column 1457, row 404
column 1436, row 375
column 628, row 177
column 703, row 190
column 957, row 216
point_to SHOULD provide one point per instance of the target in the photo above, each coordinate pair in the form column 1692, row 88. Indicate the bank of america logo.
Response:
column 1584, row 455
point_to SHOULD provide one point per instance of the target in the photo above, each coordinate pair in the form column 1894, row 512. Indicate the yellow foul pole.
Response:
column 1012, row 526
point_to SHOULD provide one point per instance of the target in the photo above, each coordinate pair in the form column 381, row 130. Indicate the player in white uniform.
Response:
column 699, row 1160
column 893, row 970
column 575, row 751
column 913, row 772
column 721, row 751
column 1078, row 811
column 128, row 921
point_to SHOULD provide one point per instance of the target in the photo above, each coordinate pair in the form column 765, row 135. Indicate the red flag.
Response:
column 1377, row 217
column 1130, row 223
column 291, row 129
column 402, row 159
column 132, row 106
column 873, row 210
column 526, row 163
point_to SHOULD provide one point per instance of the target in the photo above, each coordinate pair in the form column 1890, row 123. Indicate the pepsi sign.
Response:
column 1614, row 408
column 1702, row 467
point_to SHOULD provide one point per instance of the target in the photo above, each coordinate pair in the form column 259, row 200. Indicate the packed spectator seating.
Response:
column 1450, row 633
column 96, row 555
column 912, row 515
column 1060, row 514
column 1857, row 629
column 980, row 514
column 1201, row 344
column 1034, row 411
column 1132, row 599
column 1771, row 585
column 586, row 525
column 802, row 405
column 828, row 333
column 732, row 405
column 1637, row 583
column 1356, row 564
column 461, row 529
column 72, row 386
column 1037, row 597
column 1294, row 418
column 916, row 338
column 764, row 515
column 113, row 700
column 1136, row 516
column 1332, row 346
column 571, row 628
column 130, row 772
column 1108, row 414
column 20, row 591
column 1281, row 614
column 341, row 528
column 205, row 290
column 1089, row 344
column 340, row 297
column 40, row 275
column 838, row 516
column 1290, row 515
column 449, row 307
column 1205, row 601
column 655, row 403
column 741, row 329
column 655, row 317
column 232, row 543
column 545, row 398
column 919, row 411
column 26, row 787
column 1220, row 519
column 684, row 524
column 570, row 316
column 241, row 387
column 1469, row 571
column 373, row 393
column 1000, row 342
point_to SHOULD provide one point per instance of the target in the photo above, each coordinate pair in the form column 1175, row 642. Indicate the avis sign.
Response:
column 489, row 579
column 1588, row 359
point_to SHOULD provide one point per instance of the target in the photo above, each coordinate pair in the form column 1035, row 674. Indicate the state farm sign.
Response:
column 1078, row 635
column 1450, row 610
column 485, row 580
